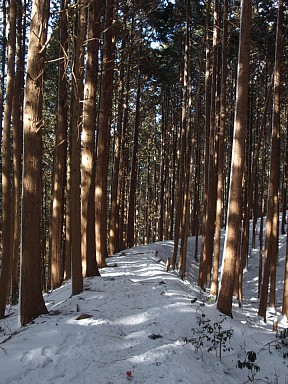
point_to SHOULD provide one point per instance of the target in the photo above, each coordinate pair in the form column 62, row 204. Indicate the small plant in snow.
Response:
column 282, row 341
column 250, row 363
column 211, row 336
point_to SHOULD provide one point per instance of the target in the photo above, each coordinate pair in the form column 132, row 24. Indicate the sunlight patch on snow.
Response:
column 136, row 335
column 156, row 354
column 95, row 297
column 134, row 299
column 116, row 273
column 133, row 319
column 86, row 322
column 283, row 321
column 53, row 304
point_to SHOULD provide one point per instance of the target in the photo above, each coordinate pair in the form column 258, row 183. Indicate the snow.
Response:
column 138, row 323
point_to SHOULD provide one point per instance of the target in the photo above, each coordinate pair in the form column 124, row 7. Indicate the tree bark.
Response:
column 104, row 139
column 232, row 237
column 114, row 225
column 181, row 155
column 75, row 148
column 187, row 160
column 272, row 221
column 89, row 265
column 285, row 183
column 122, row 192
column 201, row 275
column 31, row 299
column 59, row 168
column 214, row 285
column 3, row 63
column 208, row 239
column 285, row 289
column 6, row 261
column 17, row 120
column 133, row 179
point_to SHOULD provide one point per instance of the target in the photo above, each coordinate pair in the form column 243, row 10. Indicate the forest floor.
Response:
column 138, row 323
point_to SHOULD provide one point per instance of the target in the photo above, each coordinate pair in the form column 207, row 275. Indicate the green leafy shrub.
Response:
column 211, row 336
column 250, row 363
column 282, row 341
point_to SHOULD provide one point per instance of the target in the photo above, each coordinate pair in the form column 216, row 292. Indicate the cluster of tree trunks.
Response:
column 150, row 143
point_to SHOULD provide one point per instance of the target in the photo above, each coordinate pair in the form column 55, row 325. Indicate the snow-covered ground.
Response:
column 139, row 324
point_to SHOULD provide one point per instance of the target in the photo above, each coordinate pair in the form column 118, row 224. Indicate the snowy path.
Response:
column 135, row 318
column 130, row 306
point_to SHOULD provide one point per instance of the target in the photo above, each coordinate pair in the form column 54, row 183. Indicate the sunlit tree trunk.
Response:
column 181, row 152
column 114, row 241
column 17, row 120
column 201, row 275
column 6, row 261
column 232, row 237
column 31, row 299
column 214, row 285
column 262, row 213
column 247, row 204
column 285, row 182
column 163, row 166
column 261, row 133
column 67, row 242
column 60, row 150
column 188, row 157
column 272, row 221
column 104, row 139
column 75, row 147
column 196, row 211
column 208, row 239
column 285, row 289
column 133, row 179
column 89, row 265
column 122, row 193
column 3, row 63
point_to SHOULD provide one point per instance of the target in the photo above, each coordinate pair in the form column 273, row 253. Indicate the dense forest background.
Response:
column 117, row 129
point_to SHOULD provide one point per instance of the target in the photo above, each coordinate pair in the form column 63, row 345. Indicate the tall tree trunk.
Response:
column 214, row 285
column 17, row 120
column 208, row 239
column 6, row 261
column 122, row 193
column 272, row 221
column 31, row 299
column 254, row 181
column 104, row 138
column 67, row 242
column 247, row 204
column 75, row 148
column 181, row 151
column 187, row 196
column 232, row 237
column 155, row 199
column 173, row 174
column 285, row 183
column 285, row 289
column 201, row 275
column 164, row 169
column 3, row 64
column 198, row 129
column 187, row 166
column 133, row 179
column 89, row 265
column 262, row 213
column 59, row 168
column 114, row 230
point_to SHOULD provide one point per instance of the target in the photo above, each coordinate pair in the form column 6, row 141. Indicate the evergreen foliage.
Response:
column 168, row 45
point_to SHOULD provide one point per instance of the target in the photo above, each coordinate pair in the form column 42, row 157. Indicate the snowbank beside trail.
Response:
column 138, row 324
